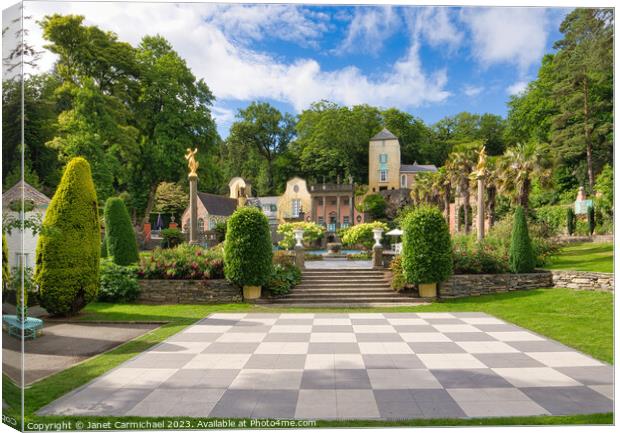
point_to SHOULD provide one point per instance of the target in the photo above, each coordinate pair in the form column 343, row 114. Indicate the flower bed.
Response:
column 184, row 262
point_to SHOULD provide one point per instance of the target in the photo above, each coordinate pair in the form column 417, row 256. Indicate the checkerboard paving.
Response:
column 349, row 366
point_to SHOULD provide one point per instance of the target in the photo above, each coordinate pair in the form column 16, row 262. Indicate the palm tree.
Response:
column 459, row 167
column 491, row 182
column 443, row 188
column 519, row 165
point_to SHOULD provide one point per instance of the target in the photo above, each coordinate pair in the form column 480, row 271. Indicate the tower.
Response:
column 383, row 162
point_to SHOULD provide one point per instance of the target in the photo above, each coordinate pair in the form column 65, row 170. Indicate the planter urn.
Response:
column 428, row 290
column 251, row 292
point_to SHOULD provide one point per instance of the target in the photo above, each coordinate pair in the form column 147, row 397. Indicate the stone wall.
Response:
column 458, row 286
column 579, row 280
column 188, row 292
column 565, row 239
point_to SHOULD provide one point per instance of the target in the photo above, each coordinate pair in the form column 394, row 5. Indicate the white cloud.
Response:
column 513, row 35
column 223, row 115
column 472, row 91
column 517, row 88
column 235, row 72
column 435, row 25
column 369, row 28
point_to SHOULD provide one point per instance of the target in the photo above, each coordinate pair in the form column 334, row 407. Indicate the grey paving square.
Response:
column 388, row 366
column 507, row 360
column 470, row 378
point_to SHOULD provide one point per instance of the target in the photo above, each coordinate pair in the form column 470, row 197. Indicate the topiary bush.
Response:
column 120, row 237
column 427, row 249
column 247, row 249
column 312, row 232
column 118, row 283
column 591, row 220
column 361, row 234
column 521, row 257
column 68, row 249
column 570, row 221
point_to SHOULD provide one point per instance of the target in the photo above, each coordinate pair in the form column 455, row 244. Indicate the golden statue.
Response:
column 191, row 161
column 481, row 167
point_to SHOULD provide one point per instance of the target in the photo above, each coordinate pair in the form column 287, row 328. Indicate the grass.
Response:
column 583, row 320
column 587, row 256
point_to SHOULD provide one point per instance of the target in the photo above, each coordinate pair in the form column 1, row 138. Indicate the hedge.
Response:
column 427, row 249
column 521, row 257
column 67, row 256
column 247, row 248
column 120, row 237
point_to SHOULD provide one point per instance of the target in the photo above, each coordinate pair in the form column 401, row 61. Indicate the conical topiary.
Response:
column 521, row 259
column 120, row 237
column 67, row 257
column 570, row 221
column 591, row 220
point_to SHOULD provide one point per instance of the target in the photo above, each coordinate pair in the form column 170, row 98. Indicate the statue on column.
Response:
column 191, row 161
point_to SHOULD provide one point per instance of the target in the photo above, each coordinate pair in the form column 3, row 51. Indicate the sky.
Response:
column 429, row 61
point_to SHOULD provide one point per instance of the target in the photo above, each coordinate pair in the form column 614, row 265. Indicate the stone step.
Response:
column 345, row 300
column 347, row 284
column 344, row 294
column 336, row 278
column 342, row 271
column 371, row 289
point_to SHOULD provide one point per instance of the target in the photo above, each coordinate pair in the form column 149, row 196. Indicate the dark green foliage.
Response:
column 570, row 221
column 6, row 270
column 220, row 231
column 473, row 257
column 120, row 237
column 427, row 250
column 247, row 250
column 521, row 256
column 170, row 238
column 591, row 220
column 104, row 248
column 283, row 278
column 398, row 278
column 67, row 257
column 375, row 205
column 118, row 283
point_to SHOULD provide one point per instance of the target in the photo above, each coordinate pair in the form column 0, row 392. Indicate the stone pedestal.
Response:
column 480, row 205
column 299, row 257
column 377, row 257
column 193, row 209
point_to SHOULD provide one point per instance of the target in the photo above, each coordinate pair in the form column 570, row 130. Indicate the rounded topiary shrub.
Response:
column 120, row 237
column 521, row 257
column 427, row 249
column 247, row 248
column 67, row 257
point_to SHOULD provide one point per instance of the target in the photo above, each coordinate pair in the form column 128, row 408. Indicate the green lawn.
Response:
column 585, row 256
column 583, row 320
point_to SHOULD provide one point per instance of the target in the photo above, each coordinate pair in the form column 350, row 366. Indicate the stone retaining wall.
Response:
column 565, row 239
column 458, row 286
column 580, row 280
column 188, row 292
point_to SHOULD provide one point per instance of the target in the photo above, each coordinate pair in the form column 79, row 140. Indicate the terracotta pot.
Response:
column 251, row 292
column 428, row 290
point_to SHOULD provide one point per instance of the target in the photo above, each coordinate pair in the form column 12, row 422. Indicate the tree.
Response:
column 459, row 166
column 247, row 249
column 361, row 234
column 171, row 198
column 120, row 237
column 591, row 220
column 521, row 257
column 605, row 190
column 427, row 248
column 375, row 205
column 520, row 165
column 584, row 88
column 570, row 221
column 413, row 134
column 67, row 255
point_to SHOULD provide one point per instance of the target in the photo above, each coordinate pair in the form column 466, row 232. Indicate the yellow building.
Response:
column 385, row 171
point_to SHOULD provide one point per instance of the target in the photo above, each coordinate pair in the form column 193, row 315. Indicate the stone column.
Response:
column 300, row 256
column 480, row 206
column 324, row 211
column 338, row 222
column 351, row 208
column 193, row 209
column 377, row 257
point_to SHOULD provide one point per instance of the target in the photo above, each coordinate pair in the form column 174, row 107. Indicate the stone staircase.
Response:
column 350, row 287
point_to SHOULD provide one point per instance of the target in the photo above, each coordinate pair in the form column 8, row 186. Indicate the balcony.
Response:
column 331, row 187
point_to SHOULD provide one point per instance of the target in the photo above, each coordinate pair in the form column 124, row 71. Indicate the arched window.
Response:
column 403, row 181
column 201, row 225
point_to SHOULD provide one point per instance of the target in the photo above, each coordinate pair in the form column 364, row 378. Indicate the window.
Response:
column 321, row 221
column 273, row 208
column 382, row 175
column 383, row 158
column 201, row 225
column 296, row 206
column 403, row 181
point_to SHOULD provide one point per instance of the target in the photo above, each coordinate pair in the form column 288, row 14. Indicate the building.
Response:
column 212, row 209
column 294, row 204
column 333, row 206
column 385, row 170
column 35, row 206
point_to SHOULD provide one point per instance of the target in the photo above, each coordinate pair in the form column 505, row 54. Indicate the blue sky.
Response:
column 429, row 61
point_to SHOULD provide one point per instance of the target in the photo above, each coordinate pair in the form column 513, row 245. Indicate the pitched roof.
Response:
column 30, row 193
column 218, row 204
column 416, row 168
column 384, row 134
